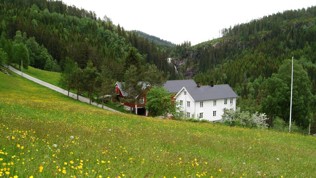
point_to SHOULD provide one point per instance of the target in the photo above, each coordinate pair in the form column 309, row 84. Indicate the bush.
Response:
column 279, row 124
column 244, row 119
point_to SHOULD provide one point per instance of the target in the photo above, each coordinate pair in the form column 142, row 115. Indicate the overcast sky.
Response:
column 185, row 20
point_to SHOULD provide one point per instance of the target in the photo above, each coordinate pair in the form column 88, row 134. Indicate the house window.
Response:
column 181, row 102
column 201, row 115
column 231, row 100
column 225, row 101
column 188, row 103
column 188, row 114
column 201, row 104
column 185, row 92
column 181, row 113
column 214, row 102
column 214, row 113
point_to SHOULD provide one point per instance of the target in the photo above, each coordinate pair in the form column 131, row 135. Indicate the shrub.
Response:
column 279, row 124
column 244, row 119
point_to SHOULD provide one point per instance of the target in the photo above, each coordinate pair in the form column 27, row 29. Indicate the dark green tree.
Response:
column 152, row 75
column 132, row 84
column 68, row 75
column 78, row 81
column 3, row 57
column 159, row 102
column 107, row 81
column 20, row 55
column 133, row 58
column 89, row 76
column 277, row 94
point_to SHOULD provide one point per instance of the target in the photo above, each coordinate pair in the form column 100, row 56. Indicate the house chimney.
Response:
column 212, row 83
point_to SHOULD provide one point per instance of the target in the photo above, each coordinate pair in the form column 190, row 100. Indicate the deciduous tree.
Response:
column 159, row 102
column 277, row 94
column 20, row 55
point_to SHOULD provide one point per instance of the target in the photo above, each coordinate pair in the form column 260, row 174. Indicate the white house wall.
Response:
column 184, row 108
column 207, row 109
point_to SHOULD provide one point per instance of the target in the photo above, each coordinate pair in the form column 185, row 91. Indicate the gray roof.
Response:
column 204, row 93
column 174, row 86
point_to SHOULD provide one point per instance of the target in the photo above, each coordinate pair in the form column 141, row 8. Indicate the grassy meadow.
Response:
column 45, row 134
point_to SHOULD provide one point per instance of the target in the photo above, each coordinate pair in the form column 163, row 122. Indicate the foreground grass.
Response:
column 44, row 134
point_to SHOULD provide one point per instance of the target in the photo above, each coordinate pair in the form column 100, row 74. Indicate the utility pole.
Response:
column 290, row 120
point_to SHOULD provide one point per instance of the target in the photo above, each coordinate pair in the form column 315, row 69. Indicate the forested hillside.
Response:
column 69, row 32
column 155, row 40
column 249, row 58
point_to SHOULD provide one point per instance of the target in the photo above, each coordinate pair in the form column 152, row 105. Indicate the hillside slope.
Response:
column 47, row 134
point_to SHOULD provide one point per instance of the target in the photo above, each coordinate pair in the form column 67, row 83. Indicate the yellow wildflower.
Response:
column 40, row 169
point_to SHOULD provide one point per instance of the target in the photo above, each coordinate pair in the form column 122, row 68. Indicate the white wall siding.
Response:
column 184, row 108
column 208, row 109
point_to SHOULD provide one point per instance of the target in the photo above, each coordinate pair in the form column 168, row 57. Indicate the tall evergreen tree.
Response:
column 132, row 84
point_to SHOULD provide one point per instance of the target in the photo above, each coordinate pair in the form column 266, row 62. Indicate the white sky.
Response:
column 185, row 20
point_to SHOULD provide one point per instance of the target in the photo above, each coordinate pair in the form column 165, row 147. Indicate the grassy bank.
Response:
column 47, row 76
column 44, row 134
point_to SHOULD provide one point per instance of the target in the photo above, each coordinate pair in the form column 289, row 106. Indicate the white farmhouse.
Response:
column 205, row 102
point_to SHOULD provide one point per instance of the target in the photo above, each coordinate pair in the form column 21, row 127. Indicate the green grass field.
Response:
column 45, row 134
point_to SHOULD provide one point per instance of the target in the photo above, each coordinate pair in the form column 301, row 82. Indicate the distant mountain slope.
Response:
column 155, row 39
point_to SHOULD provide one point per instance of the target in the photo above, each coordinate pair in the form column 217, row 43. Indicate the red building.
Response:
column 138, row 107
